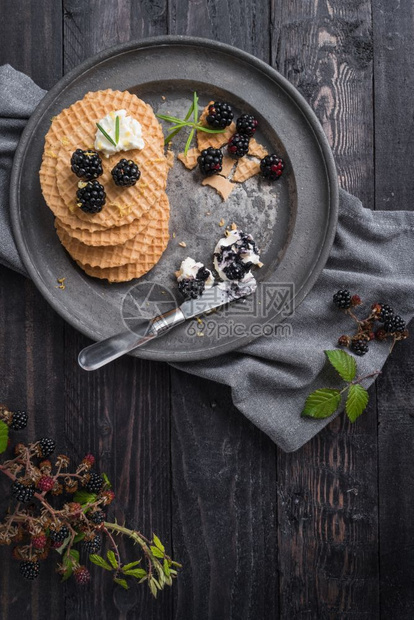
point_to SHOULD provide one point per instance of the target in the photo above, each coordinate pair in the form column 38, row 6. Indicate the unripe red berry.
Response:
column 82, row 576
column 46, row 483
column 39, row 542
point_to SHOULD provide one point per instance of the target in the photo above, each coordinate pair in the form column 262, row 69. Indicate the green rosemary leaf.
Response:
column 171, row 135
column 189, row 139
column 117, row 129
column 107, row 136
column 189, row 112
column 195, row 106
column 170, row 119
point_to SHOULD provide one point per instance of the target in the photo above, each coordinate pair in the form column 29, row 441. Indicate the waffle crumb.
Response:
column 183, row 244
column 233, row 226
column 61, row 284
column 163, row 97
column 221, row 222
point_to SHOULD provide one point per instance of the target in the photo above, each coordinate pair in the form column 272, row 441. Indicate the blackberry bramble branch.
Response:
column 55, row 509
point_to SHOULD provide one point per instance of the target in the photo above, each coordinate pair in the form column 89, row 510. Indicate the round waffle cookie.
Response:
column 75, row 127
column 142, row 248
column 106, row 236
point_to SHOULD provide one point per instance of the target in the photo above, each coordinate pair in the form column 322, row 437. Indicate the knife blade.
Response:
column 100, row 353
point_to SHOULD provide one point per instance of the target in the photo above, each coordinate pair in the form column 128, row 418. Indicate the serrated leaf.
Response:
column 111, row 557
column 99, row 561
column 131, row 565
column 356, row 401
column 158, row 543
column 83, row 497
column 156, row 552
column 343, row 363
column 153, row 588
column 322, row 403
column 122, row 583
column 138, row 573
column 166, row 568
column 75, row 554
column 68, row 573
column 4, row 436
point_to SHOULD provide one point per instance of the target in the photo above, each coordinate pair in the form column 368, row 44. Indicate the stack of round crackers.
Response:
column 127, row 238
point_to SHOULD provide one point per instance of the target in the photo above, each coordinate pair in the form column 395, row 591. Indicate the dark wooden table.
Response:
column 326, row 532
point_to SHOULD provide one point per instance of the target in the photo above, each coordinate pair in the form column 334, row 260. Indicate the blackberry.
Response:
column 246, row 124
column 236, row 270
column 29, row 570
column 359, row 347
column 125, row 173
column 86, row 164
column 19, row 420
column 97, row 517
column 60, row 535
column 342, row 299
column 238, row 145
column 47, row 447
column 203, row 274
column 91, row 197
column 219, row 115
column 46, row 483
column 191, row 288
column 385, row 313
column 210, row 161
column 82, row 575
column 39, row 542
column 92, row 546
column 95, row 483
column 394, row 324
column 272, row 167
column 23, row 493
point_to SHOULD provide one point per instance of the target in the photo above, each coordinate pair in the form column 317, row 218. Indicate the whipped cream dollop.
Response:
column 130, row 134
column 234, row 256
column 190, row 270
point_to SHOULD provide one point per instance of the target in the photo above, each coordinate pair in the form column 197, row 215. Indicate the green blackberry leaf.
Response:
column 4, row 436
column 111, row 557
column 166, row 568
column 138, row 573
column 99, row 561
column 356, row 401
column 158, row 543
column 78, row 537
column 156, row 552
column 106, row 481
column 322, row 403
column 122, row 583
column 343, row 363
column 131, row 565
column 83, row 497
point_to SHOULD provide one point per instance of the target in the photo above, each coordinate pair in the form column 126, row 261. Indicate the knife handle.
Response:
column 100, row 353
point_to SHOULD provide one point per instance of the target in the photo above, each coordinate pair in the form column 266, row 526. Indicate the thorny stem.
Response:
column 115, row 548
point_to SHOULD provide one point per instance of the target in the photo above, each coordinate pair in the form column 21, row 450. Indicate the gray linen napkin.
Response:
column 270, row 378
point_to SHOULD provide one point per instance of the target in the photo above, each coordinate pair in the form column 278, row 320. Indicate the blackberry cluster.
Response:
column 95, row 483
column 272, row 167
column 23, row 493
column 238, row 145
column 210, row 161
column 125, row 173
column 92, row 546
column 219, row 115
column 91, row 197
column 359, row 346
column 29, row 570
column 97, row 517
column 19, row 420
column 246, row 124
column 342, row 299
column 190, row 288
column 236, row 270
column 60, row 535
column 86, row 164
column 385, row 313
column 46, row 447
column 394, row 323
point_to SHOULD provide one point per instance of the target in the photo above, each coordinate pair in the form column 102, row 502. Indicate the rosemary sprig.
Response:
column 179, row 123
column 117, row 129
column 107, row 136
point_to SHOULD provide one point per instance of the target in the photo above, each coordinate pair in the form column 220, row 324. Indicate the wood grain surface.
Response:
column 324, row 533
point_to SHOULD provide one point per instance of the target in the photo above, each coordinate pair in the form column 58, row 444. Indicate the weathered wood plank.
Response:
column 31, row 39
column 327, row 491
column 31, row 333
column 224, row 527
column 394, row 91
column 122, row 411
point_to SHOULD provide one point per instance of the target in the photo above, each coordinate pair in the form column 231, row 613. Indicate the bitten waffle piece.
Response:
column 216, row 140
column 256, row 149
column 246, row 168
column 227, row 166
column 220, row 184
column 189, row 160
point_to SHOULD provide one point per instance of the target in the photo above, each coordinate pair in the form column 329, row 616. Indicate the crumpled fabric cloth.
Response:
column 270, row 378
